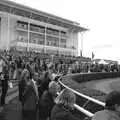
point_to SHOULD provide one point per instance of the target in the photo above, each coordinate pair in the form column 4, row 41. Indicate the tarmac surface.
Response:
column 12, row 111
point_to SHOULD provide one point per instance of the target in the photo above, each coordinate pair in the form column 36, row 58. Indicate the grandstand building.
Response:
column 25, row 28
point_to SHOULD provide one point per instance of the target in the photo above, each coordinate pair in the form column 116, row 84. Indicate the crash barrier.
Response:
column 86, row 106
column 84, row 77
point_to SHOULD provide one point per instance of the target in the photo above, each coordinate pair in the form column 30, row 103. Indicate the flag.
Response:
column 81, row 53
column 93, row 55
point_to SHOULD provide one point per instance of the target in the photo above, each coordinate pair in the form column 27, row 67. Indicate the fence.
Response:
column 85, row 104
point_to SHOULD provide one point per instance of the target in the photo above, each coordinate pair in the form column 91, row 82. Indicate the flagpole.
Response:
column 92, row 56
column 82, row 42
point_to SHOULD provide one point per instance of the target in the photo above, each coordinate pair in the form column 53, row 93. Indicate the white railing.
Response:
column 82, row 95
column 86, row 112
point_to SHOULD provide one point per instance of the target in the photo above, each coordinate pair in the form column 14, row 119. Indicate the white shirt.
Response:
column 1, row 65
column 35, row 87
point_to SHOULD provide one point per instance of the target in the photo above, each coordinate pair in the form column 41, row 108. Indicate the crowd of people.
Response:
column 40, row 93
column 66, row 64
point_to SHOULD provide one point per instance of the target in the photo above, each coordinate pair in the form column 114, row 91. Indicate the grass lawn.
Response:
column 96, row 89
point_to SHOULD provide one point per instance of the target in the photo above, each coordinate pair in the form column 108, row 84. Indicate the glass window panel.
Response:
column 52, row 31
column 63, row 43
column 37, row 38
column 52, row 41
column 36, row 28
column 22, row 36
column 22, row 25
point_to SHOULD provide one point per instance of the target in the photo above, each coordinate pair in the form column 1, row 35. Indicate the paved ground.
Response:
column 12, row 109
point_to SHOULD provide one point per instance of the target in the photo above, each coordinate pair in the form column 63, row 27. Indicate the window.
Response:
column 52, row 41
column 36, row 28
column 22, row 25
column 37, row 38
column 52, row 31
column 22, row 36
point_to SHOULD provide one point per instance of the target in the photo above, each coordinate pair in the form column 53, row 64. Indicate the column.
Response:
column 45, row 44
column 82, row 42
column 8, row 47
column 28, row 36
column 4, row 31
column 59, row 43
column 0, row 34
column 73, row 43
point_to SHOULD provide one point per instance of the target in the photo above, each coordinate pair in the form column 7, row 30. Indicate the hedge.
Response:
column 84, row 77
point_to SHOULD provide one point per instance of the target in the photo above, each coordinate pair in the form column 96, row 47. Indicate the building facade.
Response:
column 24, row 28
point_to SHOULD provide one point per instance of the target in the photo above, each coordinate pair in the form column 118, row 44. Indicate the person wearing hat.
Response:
column 112, row 108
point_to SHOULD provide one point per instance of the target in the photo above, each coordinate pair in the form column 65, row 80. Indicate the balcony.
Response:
column 22, row 26
column 37, row 29
column 63, row 34
column 37, row 38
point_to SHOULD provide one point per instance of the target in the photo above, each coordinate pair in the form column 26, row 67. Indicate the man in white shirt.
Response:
column 1, row 64
column 35, row 81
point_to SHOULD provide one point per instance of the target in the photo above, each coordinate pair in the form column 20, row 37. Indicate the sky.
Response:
column 101, row 17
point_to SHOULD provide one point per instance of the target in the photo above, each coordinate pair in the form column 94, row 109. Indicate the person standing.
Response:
column 30, row 98
column 4, row 82
column 47, row 101
column 112, row 108
column 64, row 107
column 47, row 78
column 25, row 75
column 1, row 65
column 1, row 68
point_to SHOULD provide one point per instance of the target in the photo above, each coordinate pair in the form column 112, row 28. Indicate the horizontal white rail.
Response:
column 84, row 111
column 87, row 113
column 80, row 94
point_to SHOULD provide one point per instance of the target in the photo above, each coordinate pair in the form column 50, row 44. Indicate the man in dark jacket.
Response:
column 47, row 100
column 31, row 98
column 25, row 76
column 46, row 79
column 4, row 82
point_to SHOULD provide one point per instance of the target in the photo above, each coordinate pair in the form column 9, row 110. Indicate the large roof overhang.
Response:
column 32, row 13
column 81, row 29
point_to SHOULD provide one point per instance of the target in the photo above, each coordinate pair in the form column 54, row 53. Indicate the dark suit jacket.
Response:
column 44, row 84
column 61, row 113
column 22, row 85
column 30, row 98
column 46, row 104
